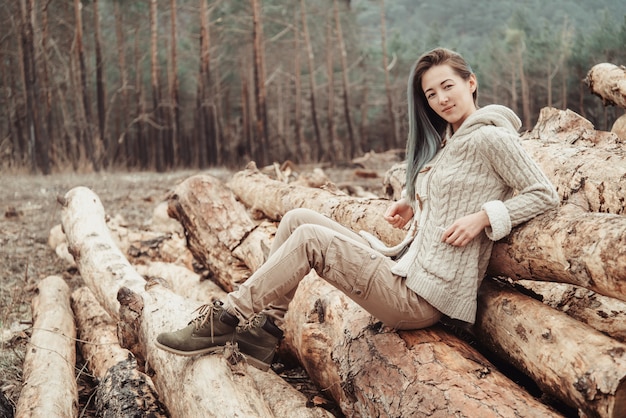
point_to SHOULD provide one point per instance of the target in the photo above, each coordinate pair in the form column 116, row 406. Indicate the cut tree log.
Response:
column 122, row 389
column 608, row 82
column 205, row 386
column 203, row 205
column 371, row 371
column 568, row 359
column 619, row 127
column 50, row 356
column 605, row 314
column 569, row 245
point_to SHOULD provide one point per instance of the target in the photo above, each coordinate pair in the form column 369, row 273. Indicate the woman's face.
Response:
column 449, row 95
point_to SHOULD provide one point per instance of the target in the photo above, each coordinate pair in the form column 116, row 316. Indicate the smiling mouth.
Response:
column 447, row 109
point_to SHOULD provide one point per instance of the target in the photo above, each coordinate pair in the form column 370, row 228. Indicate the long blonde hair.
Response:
column 426, row 128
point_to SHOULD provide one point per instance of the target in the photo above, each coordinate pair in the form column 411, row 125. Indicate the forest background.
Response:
column 163, row 84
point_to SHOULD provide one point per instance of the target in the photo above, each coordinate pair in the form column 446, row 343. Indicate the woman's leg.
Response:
column 342, row 258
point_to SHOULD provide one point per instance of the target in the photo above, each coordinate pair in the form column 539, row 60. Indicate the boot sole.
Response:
column 210, row 350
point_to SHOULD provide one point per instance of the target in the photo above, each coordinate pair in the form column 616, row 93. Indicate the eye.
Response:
column 448, row 86
column 430, row 95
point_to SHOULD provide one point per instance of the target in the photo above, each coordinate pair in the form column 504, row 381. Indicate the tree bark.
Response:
column 122, row 389
column 619, row 127
column 608, row 81
column 567, row 359
column 158, row 144
column 100, row 87
column 334, row 151
column 372, row 371
column 50, row 356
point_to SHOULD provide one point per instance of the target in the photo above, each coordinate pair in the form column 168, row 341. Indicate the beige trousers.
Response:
column 306, row 240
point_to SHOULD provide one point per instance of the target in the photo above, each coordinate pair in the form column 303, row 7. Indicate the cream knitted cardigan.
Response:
column 482, row 166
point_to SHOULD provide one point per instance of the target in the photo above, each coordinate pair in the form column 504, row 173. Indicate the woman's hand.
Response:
column 465, row 229
column 399, row 214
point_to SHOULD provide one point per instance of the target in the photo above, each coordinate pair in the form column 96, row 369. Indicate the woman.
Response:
column 469, row 182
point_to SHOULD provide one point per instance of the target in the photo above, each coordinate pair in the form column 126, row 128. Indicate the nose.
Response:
column 443, row 98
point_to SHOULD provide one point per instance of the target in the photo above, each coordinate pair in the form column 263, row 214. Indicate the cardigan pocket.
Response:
column 438, row 258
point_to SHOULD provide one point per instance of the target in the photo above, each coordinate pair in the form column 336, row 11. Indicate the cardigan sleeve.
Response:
column 535, row 193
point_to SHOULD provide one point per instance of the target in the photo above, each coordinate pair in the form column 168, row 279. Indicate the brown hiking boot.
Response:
column 257, row 341
column 206, row 333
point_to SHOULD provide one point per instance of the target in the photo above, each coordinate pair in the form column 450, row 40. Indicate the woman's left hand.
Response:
column 465, row 229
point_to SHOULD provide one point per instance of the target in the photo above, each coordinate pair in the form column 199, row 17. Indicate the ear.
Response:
column 473, row 82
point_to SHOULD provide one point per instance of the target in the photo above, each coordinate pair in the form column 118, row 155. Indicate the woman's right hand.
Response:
column 399, row 213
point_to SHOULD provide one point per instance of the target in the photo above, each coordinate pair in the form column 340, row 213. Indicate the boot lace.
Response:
column 205, row 314
column 254, row 322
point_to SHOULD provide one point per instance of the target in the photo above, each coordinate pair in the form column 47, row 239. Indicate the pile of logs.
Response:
column 553, row 308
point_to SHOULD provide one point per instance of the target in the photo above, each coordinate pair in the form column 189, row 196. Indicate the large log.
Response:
column 605, row 314
column 50, row 356
column 572, row 361
column 205, row 386
column 608, row 81
column 372, row 371
column 569, row 245
column 122, row 389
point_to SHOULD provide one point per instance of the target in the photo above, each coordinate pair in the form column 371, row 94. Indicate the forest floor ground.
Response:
column 29, row 210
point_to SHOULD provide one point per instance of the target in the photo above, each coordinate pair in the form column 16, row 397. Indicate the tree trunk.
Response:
column 390, row 140
column 174, row 116
column 259, row 84
column 123, row 110
column 300, row 143
column 354, row 141
column 100, row 87
column 333, row 152
column 319, row 149
column 50, row 356
column 122, row 389
column 567, row 359
column 157, row 134
column 608, row 82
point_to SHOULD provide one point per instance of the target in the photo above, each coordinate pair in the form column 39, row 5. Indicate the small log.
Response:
column 567, row 359
column 122, row 389
column 371, row 371
column 208, row 210
column 605, row 314
column 50, row 356
column 608, row 82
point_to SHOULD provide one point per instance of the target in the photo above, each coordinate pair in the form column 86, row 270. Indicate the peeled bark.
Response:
column 122, row 389
column 373, row 371
column 608, row 81
column 566, row 358
column 607, row 315
column 50, row 356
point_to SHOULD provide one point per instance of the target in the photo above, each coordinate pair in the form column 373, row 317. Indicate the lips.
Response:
column 447, row 109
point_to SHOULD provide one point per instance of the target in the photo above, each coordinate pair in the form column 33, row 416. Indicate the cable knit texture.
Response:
column 483, row 166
